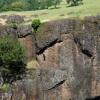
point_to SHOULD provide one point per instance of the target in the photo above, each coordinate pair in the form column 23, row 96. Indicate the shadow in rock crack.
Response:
column 95, row 98
column 57, row 85
column 44, row 48
column 87, row 52
column 83, row 50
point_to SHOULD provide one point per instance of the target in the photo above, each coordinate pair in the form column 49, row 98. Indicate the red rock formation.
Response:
column 28, row 44
column 50, row 57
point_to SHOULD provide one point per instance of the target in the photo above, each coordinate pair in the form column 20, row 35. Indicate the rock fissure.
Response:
column 82, row 49
column 57, row 85
column 95, row 98
column 68, row 57
column 48, row 46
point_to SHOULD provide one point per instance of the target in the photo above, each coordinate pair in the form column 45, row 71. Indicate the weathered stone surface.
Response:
column 28, row 43
column 38, row 87
column 15, row 19
column 24, row 30
column 68, row 52
column 76, row 55
column 50, row 33
column 50, row 57
column 76, row 65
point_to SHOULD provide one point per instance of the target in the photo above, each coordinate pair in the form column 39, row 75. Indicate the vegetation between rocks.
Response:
column 12, row 59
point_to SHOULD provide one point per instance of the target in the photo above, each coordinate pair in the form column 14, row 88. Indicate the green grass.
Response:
column 90, row 7
column 33, row 64
column 5, row 88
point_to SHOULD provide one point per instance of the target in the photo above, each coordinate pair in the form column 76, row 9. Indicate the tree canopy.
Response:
column 12, row 59
column 74, row 2
column 19, row 5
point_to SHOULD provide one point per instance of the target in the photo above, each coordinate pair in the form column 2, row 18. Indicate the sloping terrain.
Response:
column 89, row 7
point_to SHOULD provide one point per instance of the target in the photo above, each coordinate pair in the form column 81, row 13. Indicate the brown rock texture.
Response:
column 68, row 52
column 28, row 43
column 50, row 57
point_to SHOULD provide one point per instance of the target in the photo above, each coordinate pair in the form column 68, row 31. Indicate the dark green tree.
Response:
column 35, row 24
column 34, row 4
column 12, row 59
column 74, row 2
column 1, row 3
column 49, row 3
column 19, row 5
column 56, row 2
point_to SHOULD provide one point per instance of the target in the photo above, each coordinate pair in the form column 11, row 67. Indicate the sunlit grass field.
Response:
column 89, row 7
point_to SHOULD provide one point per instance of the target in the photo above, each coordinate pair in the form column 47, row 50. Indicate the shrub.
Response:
column 5, row 87
column 14, row 25
column 35, row 24
column 14, row 21
column 12, row 59
column 19, row 5
column 74, row 2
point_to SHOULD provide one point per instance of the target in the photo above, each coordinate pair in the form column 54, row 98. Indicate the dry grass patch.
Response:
column 33, row 64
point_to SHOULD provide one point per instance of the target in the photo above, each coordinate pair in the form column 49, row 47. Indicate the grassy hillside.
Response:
column 90, row 7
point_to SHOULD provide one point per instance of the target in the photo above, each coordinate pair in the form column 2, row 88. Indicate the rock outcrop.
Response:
column 15, row 19
column 68, row 52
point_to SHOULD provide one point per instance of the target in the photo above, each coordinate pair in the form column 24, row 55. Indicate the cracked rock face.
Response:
column 68, row 52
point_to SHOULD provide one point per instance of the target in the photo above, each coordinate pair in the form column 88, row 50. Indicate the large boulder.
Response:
column 24, row 30
column 15, row 19
column 50, row 33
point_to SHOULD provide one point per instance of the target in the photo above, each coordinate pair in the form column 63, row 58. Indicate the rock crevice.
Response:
column 68, row 52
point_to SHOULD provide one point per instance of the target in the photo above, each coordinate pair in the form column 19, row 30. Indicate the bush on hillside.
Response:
column 35, row 24
column 23, row 5
column 19, row 5
column 74, row 2
column 12, row 59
